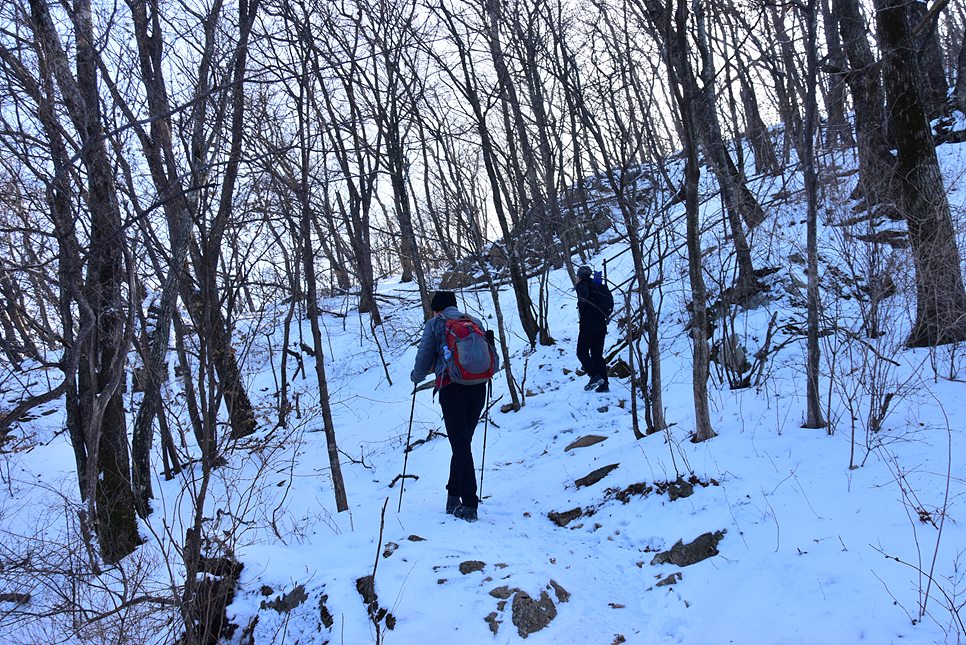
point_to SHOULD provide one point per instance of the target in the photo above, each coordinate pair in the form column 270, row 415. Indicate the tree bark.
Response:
column 813, row 413
column 876, row 163
column 739, row 202
column 101, row 356
column 766, row 161
column 959, row 91
column 308, row 258
column 838, row 131
column 940, row 294
column 515, row 125
column 674, row 30
column 929, row 58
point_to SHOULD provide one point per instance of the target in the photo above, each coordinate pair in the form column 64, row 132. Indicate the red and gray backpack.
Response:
column 468, row 356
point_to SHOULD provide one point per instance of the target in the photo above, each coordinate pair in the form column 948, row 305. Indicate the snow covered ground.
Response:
column 811, row 550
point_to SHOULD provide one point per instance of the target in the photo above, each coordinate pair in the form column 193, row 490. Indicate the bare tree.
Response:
column 940, row 294
column 395, row 89
column 97, row 370
column 740, row 204
column 838, row 131
column 672, row 25
column 813, row 414
column 863, row 76
column 465, row 80
column 620, row 145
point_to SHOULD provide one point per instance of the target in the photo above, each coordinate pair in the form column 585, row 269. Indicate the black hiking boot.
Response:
column 603, row 387
column 595, row 381
column 467, row 513
column 452, row 502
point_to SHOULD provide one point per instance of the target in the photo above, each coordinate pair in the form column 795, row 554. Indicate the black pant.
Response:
column 590, row 347
column 462, row 405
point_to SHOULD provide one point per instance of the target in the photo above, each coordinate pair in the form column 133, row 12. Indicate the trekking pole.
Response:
column 486, row 424
column 409, row 433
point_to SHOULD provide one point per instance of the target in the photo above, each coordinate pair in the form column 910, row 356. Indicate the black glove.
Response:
column 490, row 338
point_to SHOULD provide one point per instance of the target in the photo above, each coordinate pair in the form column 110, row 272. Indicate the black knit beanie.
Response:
column 584, row 272
column 442, row 299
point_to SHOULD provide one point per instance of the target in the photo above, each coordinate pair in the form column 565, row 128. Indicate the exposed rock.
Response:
column 679, row 489
column 562, row 594
column 672, row 579
column 470, row 566
column 503, row 592
column 565, row 518
column 287, row 602
column 620, row 369
column 493, row 622
column 416, row 538
column 586, row 440
column 595, row 476
column 529, row 615
column 390, row 549
column 324, row 615
column 366, row 586
column 624, row 495
column 895, row 239
column 682, row 555
column 457, row 280
column 730, row 353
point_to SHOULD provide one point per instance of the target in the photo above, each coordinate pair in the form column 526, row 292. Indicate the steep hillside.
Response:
column 788, row 535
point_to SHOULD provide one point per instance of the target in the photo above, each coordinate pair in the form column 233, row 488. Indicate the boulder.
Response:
column 529, row 615
column 683, row 555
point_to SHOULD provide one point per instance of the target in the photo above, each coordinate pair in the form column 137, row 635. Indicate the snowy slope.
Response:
column 803, row 559
column 808, row 553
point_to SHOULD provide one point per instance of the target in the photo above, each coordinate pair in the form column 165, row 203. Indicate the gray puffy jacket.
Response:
column 429, row 354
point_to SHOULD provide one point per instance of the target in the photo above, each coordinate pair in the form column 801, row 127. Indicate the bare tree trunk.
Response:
column 150, row 50
column 876, row 163
column 395, row 93
column 101, row 364
column 467, row 84
column 357, row 150
column 685, row 93
column 940, row 295
column 839, row 132
column 766, row 161
column 187, row 384
column 739, row 203
column 929, row 58
column 813, row 415
column 792, row 85
column 338, row 483
column 959, row 91
column 512, row 110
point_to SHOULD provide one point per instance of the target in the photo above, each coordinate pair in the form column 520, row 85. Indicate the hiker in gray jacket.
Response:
column 461, row 403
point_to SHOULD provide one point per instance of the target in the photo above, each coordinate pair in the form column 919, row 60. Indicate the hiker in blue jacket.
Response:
column 461, row 404
column 592, row 330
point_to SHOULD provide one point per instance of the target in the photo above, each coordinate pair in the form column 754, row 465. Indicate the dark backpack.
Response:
column 467, row 353
column 601, row 298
